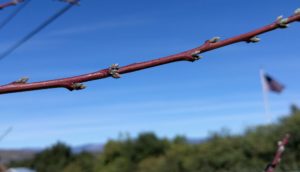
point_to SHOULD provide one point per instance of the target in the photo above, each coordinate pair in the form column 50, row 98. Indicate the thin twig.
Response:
column 277, row 158
column 75, row 83
column 10, row 3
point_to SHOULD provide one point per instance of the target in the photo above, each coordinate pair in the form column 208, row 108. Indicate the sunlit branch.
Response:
column 76, row 83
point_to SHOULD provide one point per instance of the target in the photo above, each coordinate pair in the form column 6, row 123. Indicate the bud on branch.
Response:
column 115, row 71
column 281, row 147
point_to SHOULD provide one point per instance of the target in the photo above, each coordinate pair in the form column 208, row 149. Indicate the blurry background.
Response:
column 221, row 91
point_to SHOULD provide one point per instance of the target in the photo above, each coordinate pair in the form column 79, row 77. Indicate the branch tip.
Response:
column 114, row 71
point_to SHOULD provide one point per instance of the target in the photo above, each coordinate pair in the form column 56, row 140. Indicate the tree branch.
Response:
column 277, row 158
column 10, row 3
column 75, row 83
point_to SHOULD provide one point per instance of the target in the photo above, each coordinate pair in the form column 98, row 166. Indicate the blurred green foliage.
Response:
column 221, row 152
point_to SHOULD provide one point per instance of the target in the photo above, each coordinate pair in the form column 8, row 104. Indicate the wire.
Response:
column 12, row 15
column 35, row 31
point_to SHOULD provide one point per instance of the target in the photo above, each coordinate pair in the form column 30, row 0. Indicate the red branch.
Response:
column 10, row 3
column 75, row 83
column 277, row 158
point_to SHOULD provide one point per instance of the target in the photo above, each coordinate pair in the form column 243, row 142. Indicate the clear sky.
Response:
column 194, row 99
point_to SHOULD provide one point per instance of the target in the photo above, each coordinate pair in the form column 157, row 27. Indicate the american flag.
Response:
column 272, row 84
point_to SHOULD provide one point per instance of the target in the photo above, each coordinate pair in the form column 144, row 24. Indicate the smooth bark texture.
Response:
column 75, row 83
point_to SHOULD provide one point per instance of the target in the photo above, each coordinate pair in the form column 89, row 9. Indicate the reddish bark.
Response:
column 10, row 3
column 277, row 158
column 75, row 83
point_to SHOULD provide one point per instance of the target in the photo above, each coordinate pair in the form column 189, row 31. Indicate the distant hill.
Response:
column 7, row 156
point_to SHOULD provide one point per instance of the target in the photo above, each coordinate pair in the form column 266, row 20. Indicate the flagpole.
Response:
column 265, row 96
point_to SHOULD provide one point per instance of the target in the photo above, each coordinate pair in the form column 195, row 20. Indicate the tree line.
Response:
column 222, row 152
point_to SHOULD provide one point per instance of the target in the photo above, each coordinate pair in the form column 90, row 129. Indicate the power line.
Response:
column 12, row 15
column 36, row 31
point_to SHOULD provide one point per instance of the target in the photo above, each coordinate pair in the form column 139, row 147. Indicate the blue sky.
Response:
column 194, row 99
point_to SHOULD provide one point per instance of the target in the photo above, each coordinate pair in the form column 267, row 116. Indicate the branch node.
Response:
column 214, row 39
column 281, row 149
column 78, row 86
column 114, row 71
column 22, row 80
column 282, row 22
column 254, row 39
column 196, row 55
